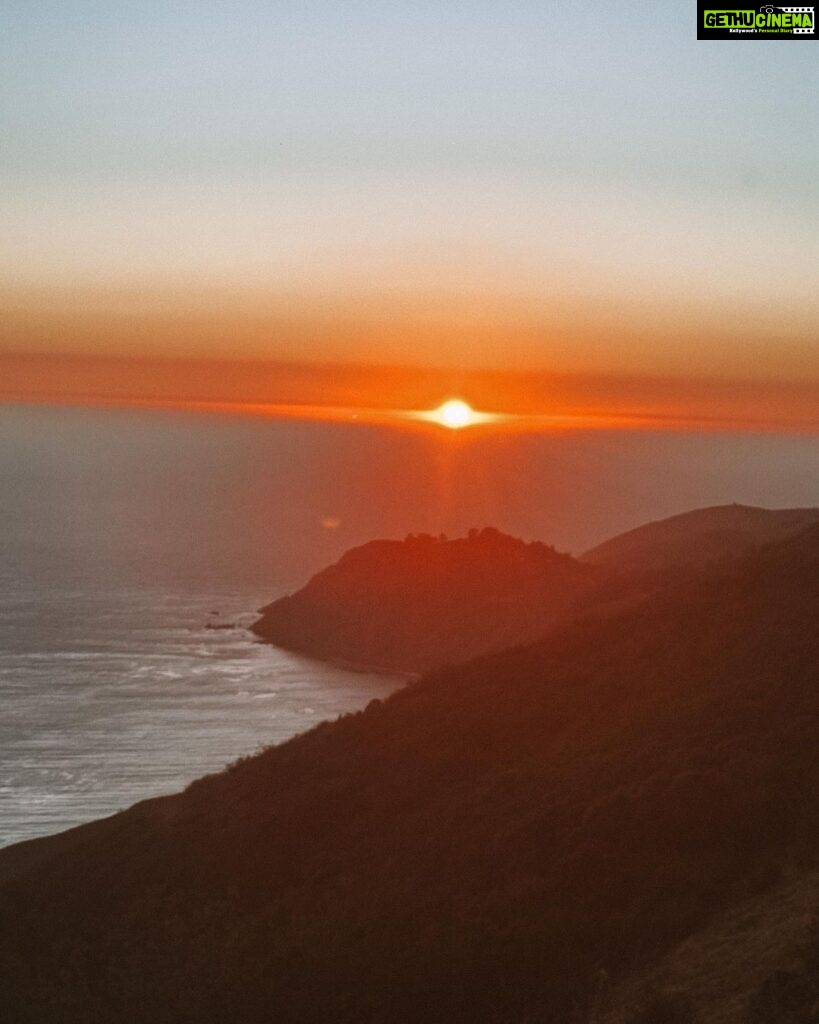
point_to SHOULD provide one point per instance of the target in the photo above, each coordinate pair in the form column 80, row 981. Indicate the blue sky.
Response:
column 241, row 88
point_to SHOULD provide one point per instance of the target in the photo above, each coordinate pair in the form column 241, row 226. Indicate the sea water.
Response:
column 108, row 696
column 111, row 695
column 131, row 566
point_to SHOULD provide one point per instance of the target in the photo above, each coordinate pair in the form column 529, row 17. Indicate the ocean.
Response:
column 110, row 695
column 126, row 665
column 126, row 534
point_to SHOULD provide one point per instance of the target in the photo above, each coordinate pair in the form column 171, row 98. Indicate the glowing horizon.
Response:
column 404, row 397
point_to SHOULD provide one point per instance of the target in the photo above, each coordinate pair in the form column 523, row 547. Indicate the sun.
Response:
column 454, row 414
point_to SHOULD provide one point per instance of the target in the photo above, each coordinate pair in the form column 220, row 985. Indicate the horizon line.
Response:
column 563, row 421
column 522, row 399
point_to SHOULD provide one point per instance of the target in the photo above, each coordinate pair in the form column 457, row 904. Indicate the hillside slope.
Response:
column 490, row 845
column 422, row 603
column 693, row 539
column 755, row 963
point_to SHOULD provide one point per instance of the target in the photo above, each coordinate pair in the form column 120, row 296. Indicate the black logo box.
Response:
column 726, row 33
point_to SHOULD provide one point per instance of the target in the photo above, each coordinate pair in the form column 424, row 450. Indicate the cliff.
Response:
column 424, row 602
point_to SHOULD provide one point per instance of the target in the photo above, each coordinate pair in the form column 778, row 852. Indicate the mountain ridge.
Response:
column 478, row 847
column 416, row 605
column 692, row 539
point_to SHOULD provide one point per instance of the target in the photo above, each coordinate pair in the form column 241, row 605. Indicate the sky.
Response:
column 589, row 193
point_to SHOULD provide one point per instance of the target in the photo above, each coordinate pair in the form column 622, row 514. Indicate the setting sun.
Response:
column 454, row 414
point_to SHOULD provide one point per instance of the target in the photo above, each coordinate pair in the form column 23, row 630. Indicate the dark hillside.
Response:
column 493, row 844
column 693, row 539
column 425, row 602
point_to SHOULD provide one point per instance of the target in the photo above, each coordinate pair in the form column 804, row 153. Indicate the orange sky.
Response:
column 615, row 361
column 329, row 391
column 470, row 319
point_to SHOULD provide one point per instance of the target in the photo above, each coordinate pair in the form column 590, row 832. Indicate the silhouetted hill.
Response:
column 501, row 842
column 424, row 602
column 693, row 539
